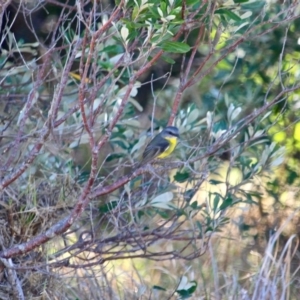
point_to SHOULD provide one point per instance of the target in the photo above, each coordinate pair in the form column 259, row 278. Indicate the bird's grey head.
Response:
column 171, row 131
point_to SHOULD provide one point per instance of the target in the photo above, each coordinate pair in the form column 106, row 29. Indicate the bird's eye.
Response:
column 172, row 133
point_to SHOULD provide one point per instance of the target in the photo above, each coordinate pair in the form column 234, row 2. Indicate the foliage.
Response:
column 74, row 126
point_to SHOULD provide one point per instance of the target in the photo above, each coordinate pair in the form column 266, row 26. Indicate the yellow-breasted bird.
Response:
column 162, row 145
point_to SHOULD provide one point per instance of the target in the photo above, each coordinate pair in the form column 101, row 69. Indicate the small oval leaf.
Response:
column 175, row 47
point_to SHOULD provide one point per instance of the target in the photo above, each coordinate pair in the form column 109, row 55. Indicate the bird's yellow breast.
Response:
column 172, row 145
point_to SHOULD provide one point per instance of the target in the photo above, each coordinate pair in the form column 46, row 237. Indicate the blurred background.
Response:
column 219, row 219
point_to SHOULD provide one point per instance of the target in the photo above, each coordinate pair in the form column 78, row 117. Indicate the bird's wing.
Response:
column 154, row 148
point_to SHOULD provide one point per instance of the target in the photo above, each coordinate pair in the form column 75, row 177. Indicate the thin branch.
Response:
column 13, row 279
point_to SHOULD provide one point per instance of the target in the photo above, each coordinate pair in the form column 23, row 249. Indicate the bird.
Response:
column 162, row 145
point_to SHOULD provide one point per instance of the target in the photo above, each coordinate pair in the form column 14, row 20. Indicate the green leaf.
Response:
column 192, row 2
column 168, row 59
column 216, row 202
column 114, row 156
column 181, row 176
column 209, row 229
column 240, row 1
column 226, row 203
column 83, row 177
column 228, row 13
column 253, row 5
column 163, row 200
column 291, row 176
column 186, row 288
column 192, row 289
column 180, row 212
column 108, row 206
column 245, row 227
column 141, row 214
column 157, row 287
column 163, row 7
column 113, row 49
column 107, row 65
column 215, row 182
column 189, row 194
column 163, row 214
column 120, row 143
column 199, row 225
column 249, row 198
column 175, row 47
column 220, row 125
column 194, row 205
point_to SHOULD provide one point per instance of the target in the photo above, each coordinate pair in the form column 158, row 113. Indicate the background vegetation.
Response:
column 84, row 85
